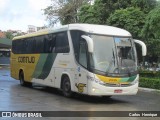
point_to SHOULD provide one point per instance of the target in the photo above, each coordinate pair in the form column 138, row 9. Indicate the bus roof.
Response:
column 100, row 29
column 90, row 28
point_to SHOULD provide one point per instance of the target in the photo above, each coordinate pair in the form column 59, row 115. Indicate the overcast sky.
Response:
column 18, row 14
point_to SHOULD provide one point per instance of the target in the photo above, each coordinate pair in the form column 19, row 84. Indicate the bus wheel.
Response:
column 21, row 78
column 66, row 87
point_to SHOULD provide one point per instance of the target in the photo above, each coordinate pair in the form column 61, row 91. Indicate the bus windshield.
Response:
column 113, row 56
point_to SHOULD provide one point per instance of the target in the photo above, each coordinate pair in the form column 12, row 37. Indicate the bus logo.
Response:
column 80, row 87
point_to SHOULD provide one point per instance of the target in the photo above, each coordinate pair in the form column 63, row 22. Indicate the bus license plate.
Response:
column 118, row 91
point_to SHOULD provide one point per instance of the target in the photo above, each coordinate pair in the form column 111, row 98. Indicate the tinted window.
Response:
column 62, row 45
column 39, row 44
column 50, row 43
column 57, row 42
column 30, row 45
column 76, row 37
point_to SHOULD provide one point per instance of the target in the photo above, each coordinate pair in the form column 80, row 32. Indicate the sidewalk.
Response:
column 148, row 89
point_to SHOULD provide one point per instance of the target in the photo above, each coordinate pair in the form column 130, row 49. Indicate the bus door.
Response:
column 81, row 72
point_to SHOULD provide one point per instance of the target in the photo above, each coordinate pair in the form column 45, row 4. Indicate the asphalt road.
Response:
column 14, row 97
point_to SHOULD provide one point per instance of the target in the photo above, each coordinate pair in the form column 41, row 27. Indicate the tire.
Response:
column 22, row 81
column 21, row 78
column 66, row 87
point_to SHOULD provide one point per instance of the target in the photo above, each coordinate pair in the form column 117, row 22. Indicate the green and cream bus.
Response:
column 88, row 59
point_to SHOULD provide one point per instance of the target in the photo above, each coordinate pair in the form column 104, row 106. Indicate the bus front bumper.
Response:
column 100, row 90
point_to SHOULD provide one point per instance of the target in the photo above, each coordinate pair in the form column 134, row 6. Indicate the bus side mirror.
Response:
column 142, row 44
column 89, row 42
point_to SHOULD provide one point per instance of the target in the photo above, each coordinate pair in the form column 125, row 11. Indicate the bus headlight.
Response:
column 93, row 89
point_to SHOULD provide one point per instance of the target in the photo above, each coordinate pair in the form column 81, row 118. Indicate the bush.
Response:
column 153, row 83
column 149, row 74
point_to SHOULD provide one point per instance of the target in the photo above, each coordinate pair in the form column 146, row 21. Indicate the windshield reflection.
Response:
column 126, row 55
column 113, row 56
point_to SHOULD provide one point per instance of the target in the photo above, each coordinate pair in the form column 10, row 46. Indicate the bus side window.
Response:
column 39, row 44
column 47, row 40
column 62, row 44
column 52, row 43
column 30, row 45
column 14, row 48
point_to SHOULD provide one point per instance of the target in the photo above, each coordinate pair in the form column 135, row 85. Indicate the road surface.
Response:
column 14, row 97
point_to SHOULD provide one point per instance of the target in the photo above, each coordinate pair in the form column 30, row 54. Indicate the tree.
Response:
column 64, row 11
column 145, row 5
column 9, row 35
column 151, row 32
column 101, row 10
column 131, row 19
column 152, row 27
column 93, row 14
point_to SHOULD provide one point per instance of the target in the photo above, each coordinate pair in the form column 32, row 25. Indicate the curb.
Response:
column 148, row 89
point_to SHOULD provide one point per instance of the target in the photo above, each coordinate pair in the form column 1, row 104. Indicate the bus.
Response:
column 96, row 60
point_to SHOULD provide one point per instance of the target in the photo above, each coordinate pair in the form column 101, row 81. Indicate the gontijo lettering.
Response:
column 26, row 59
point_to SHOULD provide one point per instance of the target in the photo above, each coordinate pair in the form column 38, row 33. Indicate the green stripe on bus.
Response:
column 44, row 65
column 132, row 78
column 47, row 66
column 39, row 65
column 129, row 79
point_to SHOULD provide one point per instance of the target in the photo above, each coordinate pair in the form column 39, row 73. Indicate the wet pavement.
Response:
column 14, row 97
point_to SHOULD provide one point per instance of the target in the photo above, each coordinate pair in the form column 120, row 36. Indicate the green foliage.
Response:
column 92, row 14
column 145, row 5
column 101, row 10
column 153, row 83
column 151, row 28
column 153, row 46
column 149, row 79
column 131, row 19
column 151, row 32
column 150, row 74
column 9, row 35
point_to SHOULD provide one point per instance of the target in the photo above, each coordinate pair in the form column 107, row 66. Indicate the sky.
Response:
column 18, row 14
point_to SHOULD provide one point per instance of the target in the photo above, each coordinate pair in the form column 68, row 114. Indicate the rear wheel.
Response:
column 21, row 78
column 22, row 81
column 66, row 87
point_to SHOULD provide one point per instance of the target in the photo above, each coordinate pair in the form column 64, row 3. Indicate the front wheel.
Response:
column 66, row 87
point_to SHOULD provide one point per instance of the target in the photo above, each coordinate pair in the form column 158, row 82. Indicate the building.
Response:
column 16, row 32
column 31, row 28
column 41, row 28
column 2, row 34
column 5, row 48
